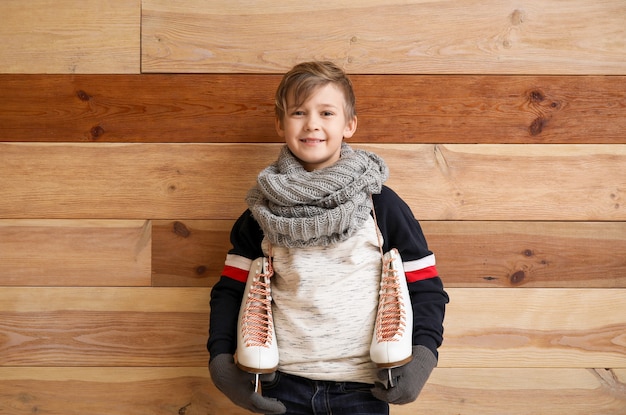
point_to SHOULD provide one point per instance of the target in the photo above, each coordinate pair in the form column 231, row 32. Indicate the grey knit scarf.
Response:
column 298, row 208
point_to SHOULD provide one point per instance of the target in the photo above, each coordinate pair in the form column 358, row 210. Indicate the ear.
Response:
column 279, row 127
column 350, row 128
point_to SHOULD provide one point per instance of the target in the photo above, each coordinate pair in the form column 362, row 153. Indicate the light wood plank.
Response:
column 209, row 181
column 469, row 254
column 549, row 327
column 485, row 327
column 155, row 391
column 103, row 327
column 75, row 252
column 377, row 36
column 107, row 391
column 224, row 108
column 65, row 36
column 510, row 391
column 104, row 299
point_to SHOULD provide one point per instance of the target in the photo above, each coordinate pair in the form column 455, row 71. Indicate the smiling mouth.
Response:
column 311, row 140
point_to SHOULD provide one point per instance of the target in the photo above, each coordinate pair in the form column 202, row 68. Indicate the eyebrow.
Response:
column 318, row 106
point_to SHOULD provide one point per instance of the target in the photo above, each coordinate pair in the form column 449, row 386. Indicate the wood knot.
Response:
column 536, row 96
column 517, row 17
column 96, row 132
column 181, row 230
column 82, row 95
column 201, row 269
column 183, row 410
column 517, row 277
column 536, row 127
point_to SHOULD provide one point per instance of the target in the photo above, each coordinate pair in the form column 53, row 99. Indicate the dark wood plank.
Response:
column 239, row 108
column 189, row 252
column 469, row 254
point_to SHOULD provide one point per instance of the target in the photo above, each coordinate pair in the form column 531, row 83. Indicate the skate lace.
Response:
column 257, row 319
column 391, row 315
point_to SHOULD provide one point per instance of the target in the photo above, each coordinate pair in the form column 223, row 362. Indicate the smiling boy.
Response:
column 321, row 217
column 314, row 129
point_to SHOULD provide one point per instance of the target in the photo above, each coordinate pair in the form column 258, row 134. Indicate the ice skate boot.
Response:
column 257, row 351
column 393, row 331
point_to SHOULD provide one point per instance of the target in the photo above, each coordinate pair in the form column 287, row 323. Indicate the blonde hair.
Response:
column 306, row 77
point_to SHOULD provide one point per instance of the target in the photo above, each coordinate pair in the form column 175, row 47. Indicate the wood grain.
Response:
column 75, row 252
column 144, row 327
column 63, row 36
column 103, row 327
column 520, row 391
column 535, row 328
column 189, row 253
column 109, row 391
column 469, row 254
column 529, row 254
column 189, row 391
column 209, row 181
column 238, row 108
column 385, row 37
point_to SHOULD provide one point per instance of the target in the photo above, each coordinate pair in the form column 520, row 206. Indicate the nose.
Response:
column 312, row 123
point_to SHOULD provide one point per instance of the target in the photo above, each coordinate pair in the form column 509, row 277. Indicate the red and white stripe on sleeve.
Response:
column 237, row 267
column 420, row 269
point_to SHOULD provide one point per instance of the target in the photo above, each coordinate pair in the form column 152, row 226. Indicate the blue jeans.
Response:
column 303, row 396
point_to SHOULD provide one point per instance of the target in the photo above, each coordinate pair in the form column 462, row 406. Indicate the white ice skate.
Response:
column 393, row 331
column 257, row 351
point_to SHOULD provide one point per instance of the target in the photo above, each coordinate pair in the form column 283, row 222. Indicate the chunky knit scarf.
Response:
column 298, row 208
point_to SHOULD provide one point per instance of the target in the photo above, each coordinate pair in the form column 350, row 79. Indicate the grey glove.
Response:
column 238, row 386
column 408, row 380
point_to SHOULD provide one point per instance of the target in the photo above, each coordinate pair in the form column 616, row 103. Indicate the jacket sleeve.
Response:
column 227, row 293
column 401, row 230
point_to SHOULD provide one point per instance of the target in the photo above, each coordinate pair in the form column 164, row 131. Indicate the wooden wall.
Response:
column 131, row 130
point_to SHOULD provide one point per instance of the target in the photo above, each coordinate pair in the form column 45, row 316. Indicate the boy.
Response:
column 311, row 216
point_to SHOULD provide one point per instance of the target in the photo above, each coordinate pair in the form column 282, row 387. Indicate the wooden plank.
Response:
column 224, row 108
column 103, row 326
column 529, row 254
column 525, row 391
column 379, row 36
column 104, row 299
column 440, row 182
column 189, row 391
column 547, row 327
column 485, row 327
column 92, row 36
column 189, row 253
column 75, row 252
column 469, row 254
column 107, row 391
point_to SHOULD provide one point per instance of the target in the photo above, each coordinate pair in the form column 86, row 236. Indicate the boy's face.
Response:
column 315, row 130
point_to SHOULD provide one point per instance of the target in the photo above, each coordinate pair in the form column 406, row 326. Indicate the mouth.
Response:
column 310, row 140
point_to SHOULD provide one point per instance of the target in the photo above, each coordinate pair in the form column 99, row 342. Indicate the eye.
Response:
column 327, row 113
column 297, row 113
